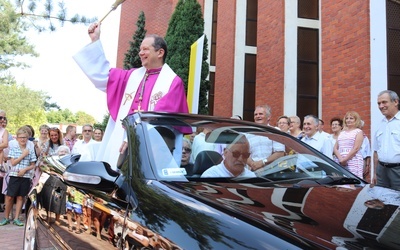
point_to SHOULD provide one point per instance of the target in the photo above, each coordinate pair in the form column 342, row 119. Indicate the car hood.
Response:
column 329, row 216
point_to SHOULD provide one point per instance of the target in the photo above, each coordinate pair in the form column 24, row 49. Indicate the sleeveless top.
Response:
column 346, row 141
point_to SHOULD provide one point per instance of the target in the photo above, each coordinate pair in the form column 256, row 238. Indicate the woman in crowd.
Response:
column 98, row 134
column 283, row 123
column 56, row 140
column 295, row 127
column 43, row 139
column 185, row 160
column 348, row 144
column 3, row 141
column 336, row 127
column 3, row 155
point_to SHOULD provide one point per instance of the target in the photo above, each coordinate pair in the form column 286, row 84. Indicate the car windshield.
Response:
column 167, row 149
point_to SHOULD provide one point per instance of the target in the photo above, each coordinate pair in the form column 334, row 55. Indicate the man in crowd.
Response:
column 387, row 142
column 82, row 147
column 314, row 138
column 321, row 125
column 153, row 87
column 234, row 163
column 263, row 150
column 70, row 136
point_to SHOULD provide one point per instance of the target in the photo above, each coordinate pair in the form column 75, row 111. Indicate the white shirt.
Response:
column 325, row 134
column 85, row 149
column 365, row 148
column 262, row 147
column 221, row 171
column 387, row 140
column 320, row 142
column 199, row 144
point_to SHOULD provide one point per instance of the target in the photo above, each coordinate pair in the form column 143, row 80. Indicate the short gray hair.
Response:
column 266, row 108
column 295, row 118
column 393, row 95
column 316, row 119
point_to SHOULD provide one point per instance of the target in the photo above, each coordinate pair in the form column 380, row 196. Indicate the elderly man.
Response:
column 234, row 163
column 153, row 87
column 314, row 138
column 87, row 147
column 263, row 150
column 387, row 142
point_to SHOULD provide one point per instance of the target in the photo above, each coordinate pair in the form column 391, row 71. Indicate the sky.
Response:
column 56, row 73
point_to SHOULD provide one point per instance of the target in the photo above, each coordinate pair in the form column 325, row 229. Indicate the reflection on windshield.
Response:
column 305, row 165
column 164, row 147
column 297, row 162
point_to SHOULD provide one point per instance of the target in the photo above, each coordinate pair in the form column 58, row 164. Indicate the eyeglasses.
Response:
column 3, row 118
column 237, row 154
column 87, row 130
column 186, row 150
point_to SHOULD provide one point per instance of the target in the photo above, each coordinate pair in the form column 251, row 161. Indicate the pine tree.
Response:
column 132, row 59
column 185, row 27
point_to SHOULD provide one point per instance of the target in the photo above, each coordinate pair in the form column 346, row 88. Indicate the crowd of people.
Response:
column 346, row 143
column 21, row 156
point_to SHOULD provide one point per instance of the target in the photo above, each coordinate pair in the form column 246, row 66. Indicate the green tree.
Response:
column 84, row 118
column 65, row 116
column 23, row 15
column 132, row 59
column 54, row 116
column 103, row 124
column 41, row 14
column 185, row 27
column 12, row 42
column 22, row 105
column 47, row 105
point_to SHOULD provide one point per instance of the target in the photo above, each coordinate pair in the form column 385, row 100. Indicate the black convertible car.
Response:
column 302, row 200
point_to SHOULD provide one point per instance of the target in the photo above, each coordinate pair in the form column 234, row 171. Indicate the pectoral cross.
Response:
column 139, row 109
column 130, row 96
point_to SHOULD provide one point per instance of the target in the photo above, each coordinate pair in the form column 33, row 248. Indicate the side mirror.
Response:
column 91, row 175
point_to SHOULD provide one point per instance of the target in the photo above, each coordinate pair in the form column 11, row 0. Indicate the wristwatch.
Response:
column 264, row 161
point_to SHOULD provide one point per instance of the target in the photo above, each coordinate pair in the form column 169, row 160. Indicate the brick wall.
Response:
column 225, row 59
column 157, row 15
column 270, row 56
column 345, row 59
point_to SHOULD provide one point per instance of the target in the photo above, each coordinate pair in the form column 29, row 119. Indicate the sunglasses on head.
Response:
column 3, row 118
column 237, row 154
column 187, row 150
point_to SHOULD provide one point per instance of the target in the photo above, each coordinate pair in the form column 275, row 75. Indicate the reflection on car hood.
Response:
column 331, row 216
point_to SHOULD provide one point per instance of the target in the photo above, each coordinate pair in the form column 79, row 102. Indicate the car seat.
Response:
column 204, row 160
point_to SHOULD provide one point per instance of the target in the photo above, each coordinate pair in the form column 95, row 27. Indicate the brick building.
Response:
column 299, row 56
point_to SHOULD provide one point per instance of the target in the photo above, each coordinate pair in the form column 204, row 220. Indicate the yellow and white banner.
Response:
column 196, row 60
